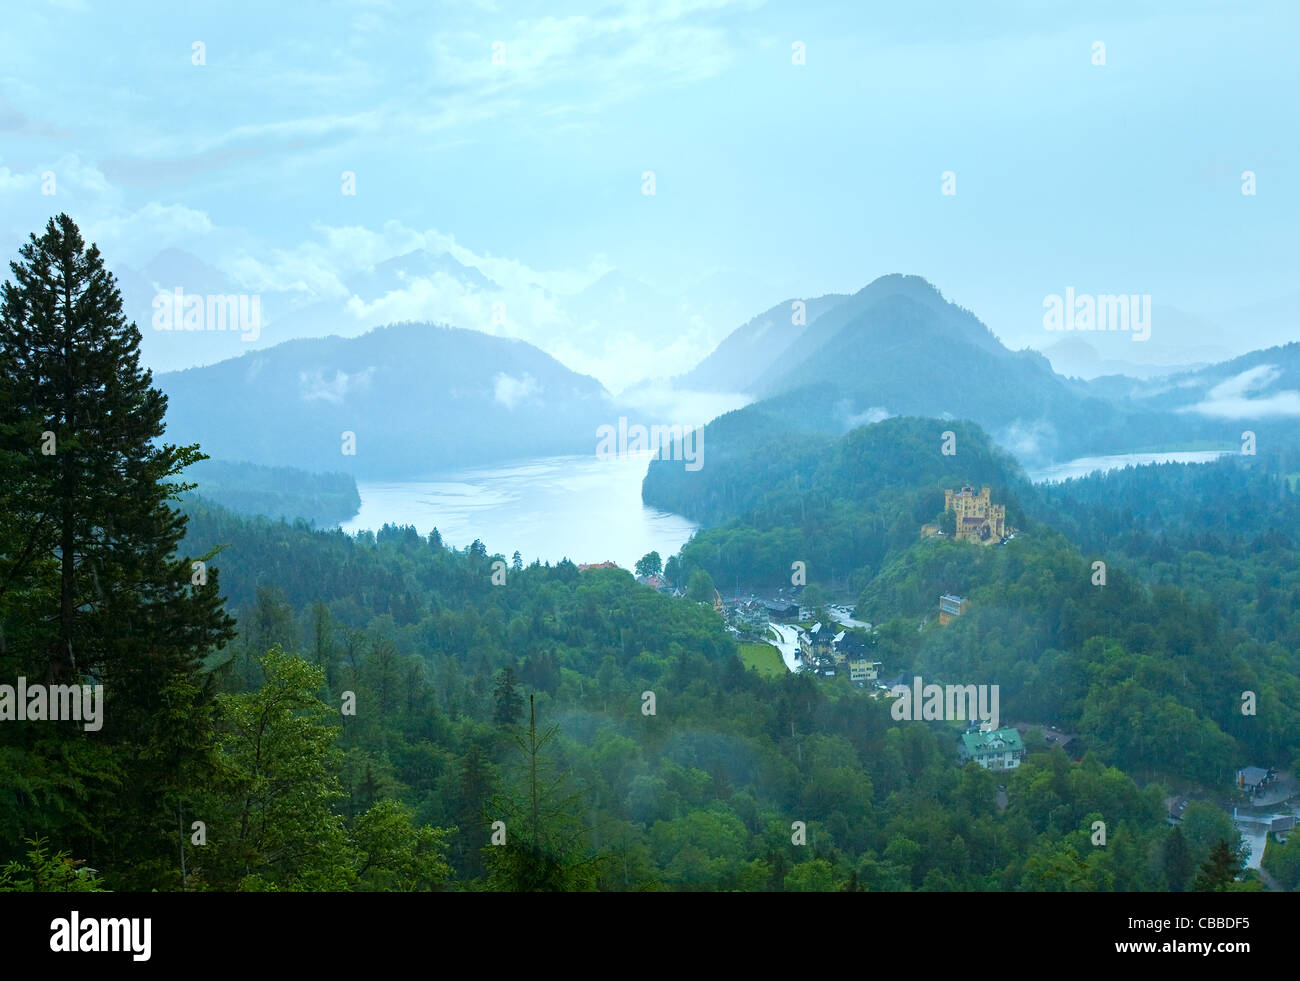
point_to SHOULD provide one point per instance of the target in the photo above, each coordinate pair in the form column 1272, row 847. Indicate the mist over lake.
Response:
column 1085, row 465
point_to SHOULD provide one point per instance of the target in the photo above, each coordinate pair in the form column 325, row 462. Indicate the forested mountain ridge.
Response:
column 753, row 462
column 898, row 347
column 1259, row 391
column 867, row 309
column 754, row 347
column 418, row 398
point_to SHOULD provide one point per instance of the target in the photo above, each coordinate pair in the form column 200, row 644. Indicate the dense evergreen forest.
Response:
column 288, row 708
column 700, row 795
column 324, row 499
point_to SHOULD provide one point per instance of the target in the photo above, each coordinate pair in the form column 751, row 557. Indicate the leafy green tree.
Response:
column 948, row 523
column 816, row 875
column 700, row 588
column 393, row 855
column 1203, row 826
column 269, row 624
column 1056, row 868
column 813, row 597
column 702, row 850
column 1283, row 862
column 673, row 570
column 649, row 565
column 46, row 872
column 270, row 814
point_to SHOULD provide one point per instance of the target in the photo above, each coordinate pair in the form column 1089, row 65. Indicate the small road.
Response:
column 842, row 617
column 788, row 644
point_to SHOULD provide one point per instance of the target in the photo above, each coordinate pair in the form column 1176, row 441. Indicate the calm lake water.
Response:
column 1085, row 465
column 576, row 507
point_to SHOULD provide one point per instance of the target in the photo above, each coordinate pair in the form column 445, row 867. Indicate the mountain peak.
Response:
column 906, row 284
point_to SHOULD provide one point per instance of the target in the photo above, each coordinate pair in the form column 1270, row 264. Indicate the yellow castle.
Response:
column 978, row 519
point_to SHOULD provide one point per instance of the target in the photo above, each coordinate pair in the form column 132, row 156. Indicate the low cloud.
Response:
column 314, row 386
column 511, row 391
column 1230, row 399
column 868, row 417
column 1029, row 440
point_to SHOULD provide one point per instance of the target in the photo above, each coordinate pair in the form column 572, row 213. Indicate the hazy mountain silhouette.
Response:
column 751, row 349
column 418, row 397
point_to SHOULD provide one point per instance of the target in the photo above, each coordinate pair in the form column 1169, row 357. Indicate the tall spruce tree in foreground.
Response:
column 92, row 590
column 545, row 842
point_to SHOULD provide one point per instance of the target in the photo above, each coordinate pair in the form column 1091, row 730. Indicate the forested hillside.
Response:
column 277, row 492
column 838, row 505
column 699, row 795
column 1197, row 606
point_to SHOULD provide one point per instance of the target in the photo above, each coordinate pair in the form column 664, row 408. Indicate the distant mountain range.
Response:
column 1076, row 358
column 421, row 399
column 418, row 398
column 614, row 327
column 898, row 347
column 1259, row 387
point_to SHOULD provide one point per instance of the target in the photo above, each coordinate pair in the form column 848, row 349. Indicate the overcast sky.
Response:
column 772, row 179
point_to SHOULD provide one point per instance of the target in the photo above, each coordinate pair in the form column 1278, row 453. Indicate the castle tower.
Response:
column 978, row 518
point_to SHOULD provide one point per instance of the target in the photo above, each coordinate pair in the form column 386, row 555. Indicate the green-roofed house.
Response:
column 998, row 750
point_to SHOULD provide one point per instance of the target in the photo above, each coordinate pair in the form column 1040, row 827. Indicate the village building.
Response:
column 1254, row 780
column 822, row 640
column 749, row 618
column 999, row 750
column 822, row 652
column 782, row 611
column 851, row 645
column 951, row 606
column 816, row 647
column 862, row 670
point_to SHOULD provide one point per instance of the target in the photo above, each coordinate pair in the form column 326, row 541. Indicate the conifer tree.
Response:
column 1219, row 870
column 1177, row 861
column 91, row 542
column 545, row 848
column 508, row 704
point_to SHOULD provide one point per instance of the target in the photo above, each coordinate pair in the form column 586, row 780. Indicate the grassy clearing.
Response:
column 764, row 658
